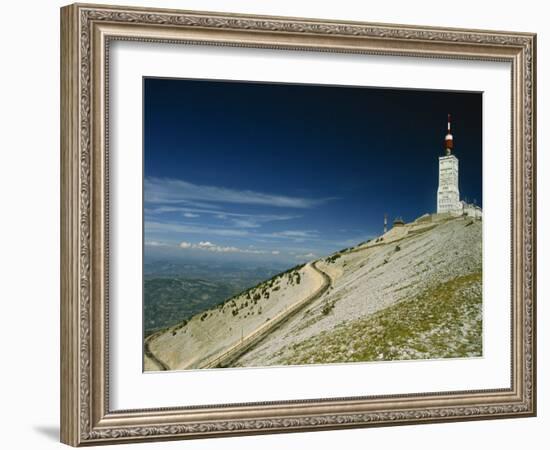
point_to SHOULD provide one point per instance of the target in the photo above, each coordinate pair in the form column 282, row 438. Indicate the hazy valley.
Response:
column 175, row 291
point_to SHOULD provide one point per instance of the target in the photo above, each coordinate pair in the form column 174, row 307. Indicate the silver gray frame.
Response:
column 86, row 33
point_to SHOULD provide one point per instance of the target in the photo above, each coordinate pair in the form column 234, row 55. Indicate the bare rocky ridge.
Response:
column 414, row 292
column 194, row 343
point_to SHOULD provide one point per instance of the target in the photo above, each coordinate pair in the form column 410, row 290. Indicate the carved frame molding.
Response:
column 86, row 31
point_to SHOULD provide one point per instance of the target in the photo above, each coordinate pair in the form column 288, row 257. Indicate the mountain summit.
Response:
column 413, row 293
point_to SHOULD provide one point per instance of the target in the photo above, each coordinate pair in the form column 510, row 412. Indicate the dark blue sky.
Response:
column 285, row 171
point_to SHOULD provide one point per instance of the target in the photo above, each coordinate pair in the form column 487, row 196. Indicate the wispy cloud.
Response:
column 170, row 191
column 202, row 214
column 295, row 235
column 211, row 247
column 243, row 220
column 306, row 256
column 245, row 223
column 156, row 244
column 155, row 226
column 290, row 235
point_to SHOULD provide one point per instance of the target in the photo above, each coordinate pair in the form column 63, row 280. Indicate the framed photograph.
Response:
column 274, row 224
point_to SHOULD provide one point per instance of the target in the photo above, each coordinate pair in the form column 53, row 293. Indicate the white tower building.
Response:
column 448, row 196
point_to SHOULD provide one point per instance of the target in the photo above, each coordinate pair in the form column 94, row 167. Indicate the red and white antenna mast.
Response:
column 448, row 137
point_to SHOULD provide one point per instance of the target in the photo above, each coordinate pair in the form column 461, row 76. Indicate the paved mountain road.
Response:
column 247, row 342
column 238, row 349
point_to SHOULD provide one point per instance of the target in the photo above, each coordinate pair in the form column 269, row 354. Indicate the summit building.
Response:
column 448, row 195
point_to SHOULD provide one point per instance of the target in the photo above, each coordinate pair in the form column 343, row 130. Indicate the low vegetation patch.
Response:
column 327, row 308
column 444, row 321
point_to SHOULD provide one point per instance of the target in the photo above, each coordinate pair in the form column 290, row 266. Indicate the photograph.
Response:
column 292, row 220
column 295, row 224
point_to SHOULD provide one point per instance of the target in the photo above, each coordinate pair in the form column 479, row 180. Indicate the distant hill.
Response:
column 169, row 300
column 413, row 293
column 177, row 291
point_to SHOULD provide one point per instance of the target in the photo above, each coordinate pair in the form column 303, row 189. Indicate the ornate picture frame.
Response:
column 87, row 31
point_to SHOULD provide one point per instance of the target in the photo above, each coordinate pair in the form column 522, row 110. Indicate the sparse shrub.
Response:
column 333, row 258
column 327, row 308
column 397, row 248
column 257, row 296
column 181, row 324
column 276, row 288
column 204, row 316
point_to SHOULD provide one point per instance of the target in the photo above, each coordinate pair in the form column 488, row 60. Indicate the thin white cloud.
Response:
column 237, row 220
column 306, row 256
column 170, row 190
column 296, row 233
column 211, row 247
column 205, row 244
column 167, row 227
column 292, row 235
column 156, row 244
column 245, row 223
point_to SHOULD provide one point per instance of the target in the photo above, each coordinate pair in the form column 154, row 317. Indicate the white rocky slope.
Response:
column 191, row 344
column 418, row 279
column 415, row 292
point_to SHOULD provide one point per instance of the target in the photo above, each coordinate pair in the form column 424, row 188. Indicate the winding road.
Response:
column 247, row 342
column 149, row 354
column 235, row 351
